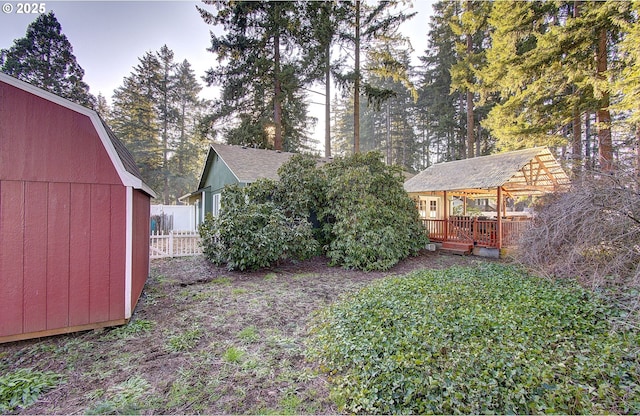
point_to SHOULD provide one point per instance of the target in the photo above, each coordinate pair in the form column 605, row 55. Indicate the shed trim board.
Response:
column 61, row 331
column 128, row 281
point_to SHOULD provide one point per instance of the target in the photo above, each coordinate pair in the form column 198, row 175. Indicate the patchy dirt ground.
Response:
column 204, row 340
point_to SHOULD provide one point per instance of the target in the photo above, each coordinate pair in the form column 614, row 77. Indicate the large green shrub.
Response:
column 371, row 221
column 361, row 216
column 481, row 340
column 301, row 187
column 252, row 232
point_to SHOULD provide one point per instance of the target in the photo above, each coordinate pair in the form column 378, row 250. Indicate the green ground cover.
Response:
column 436, row 334
column 488, row 339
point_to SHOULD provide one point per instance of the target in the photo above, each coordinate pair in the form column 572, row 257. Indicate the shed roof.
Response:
column 520, row 172
column 123, row 153
column 120, row 157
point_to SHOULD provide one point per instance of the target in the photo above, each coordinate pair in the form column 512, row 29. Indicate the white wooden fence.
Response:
column 174, row 244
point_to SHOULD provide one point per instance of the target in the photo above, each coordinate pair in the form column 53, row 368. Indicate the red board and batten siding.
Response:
column 141, row 232
column 63, row 221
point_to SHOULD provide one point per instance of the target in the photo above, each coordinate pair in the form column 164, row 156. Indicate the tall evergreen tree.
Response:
column 157, row 113
column 548, row 62
column 258, row 71
column 370, row 22
column 440, row 123
column 135, row 120
column 188, row 144
column 324, row 22
column 472, row 30
column 389, row 69
column 44, row 58
column 512, row 67
column 167, row 113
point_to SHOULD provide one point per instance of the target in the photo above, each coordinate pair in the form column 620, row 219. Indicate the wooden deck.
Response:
column 480, row 233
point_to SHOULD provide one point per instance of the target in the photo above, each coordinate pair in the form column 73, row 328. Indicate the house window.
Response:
column 421, row 204
column 216, row 205
column 433, row 209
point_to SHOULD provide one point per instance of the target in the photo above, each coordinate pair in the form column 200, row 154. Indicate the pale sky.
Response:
column 108, row 37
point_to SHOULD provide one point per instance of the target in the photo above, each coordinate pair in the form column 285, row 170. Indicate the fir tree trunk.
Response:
column 327, row 102
column 576, row 143
column 277, row 98
column 605, row 145
column 356, row 88
column 470, row 138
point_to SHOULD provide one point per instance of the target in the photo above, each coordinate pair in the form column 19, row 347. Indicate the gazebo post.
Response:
column 446, row 217
column 499, row 214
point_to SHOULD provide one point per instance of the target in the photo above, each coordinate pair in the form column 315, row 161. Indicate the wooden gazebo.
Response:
column 527, row 172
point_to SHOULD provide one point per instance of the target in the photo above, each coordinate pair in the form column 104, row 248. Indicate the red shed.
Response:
column 74, row 218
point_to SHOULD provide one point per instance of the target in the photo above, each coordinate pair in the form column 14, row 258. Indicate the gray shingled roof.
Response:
column 249, row 164
column 519, row 172
column 123, row 153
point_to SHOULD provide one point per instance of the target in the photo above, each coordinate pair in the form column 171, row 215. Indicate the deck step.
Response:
column 454, row 247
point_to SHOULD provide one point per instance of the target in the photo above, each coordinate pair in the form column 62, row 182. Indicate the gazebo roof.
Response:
column 520, row 172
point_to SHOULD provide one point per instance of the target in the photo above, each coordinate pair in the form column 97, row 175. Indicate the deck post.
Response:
column 499, row 215
column 446, row 217
column 475, row 229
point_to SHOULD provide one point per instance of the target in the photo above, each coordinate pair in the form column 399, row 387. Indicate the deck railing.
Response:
column 513, row 230
column 482, row 233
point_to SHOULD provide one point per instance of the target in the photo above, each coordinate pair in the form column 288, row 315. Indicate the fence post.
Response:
column 474, row 226
column 171, row 243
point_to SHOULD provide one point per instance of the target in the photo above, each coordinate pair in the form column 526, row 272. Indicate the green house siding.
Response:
column 229, row 164
column 218, row 176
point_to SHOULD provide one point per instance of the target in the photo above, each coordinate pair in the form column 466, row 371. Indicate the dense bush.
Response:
column 371, row 221
column 482, row 340
column 252, row 232
column 361, row 216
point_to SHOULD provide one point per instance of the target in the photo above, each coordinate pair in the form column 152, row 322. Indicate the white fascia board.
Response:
column 128, row 280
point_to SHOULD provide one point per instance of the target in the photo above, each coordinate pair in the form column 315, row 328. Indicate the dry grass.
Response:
column 204, row 340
